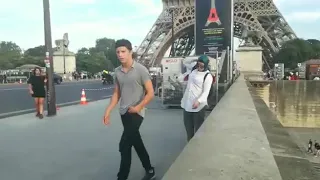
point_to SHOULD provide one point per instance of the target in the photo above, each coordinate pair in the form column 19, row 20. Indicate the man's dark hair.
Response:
column 124, row 42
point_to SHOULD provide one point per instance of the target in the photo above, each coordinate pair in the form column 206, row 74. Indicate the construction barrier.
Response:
column 83, row 98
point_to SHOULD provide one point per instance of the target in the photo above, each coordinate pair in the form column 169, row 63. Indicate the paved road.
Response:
column 15, row 97
column 76, row 146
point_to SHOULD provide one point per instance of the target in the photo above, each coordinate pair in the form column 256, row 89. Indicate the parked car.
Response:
column 57, row 78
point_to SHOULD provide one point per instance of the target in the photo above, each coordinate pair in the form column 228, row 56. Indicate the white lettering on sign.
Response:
column 212, row 48
column 171, row 60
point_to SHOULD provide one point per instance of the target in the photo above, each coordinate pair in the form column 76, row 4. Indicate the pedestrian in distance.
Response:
column 134, row 90
column 37, row 90
column 194, row 101
column 310, row 146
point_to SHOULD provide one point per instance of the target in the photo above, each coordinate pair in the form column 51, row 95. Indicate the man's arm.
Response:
column 206, row 89
column 115, row 98
column 146, row 80
column 149, row 94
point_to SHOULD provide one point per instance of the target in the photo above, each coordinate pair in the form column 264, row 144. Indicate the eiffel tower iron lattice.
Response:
column 254, row 15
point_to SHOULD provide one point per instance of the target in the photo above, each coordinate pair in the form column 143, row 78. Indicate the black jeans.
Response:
column 193, row 121
column 131, row 137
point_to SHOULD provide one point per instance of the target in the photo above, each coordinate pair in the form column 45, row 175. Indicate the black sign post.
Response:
column 213, row 26
column 51, row 94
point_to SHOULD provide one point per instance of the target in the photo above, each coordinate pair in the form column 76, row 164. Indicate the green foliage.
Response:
column 297, row 51
column 98, row 58
column 93, row 59
column 10, row 55
column 35, row 55
column 107, row 46
column 316, row 48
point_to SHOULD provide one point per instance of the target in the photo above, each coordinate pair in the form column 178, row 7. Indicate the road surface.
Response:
column 75, row 145
column 15, row 98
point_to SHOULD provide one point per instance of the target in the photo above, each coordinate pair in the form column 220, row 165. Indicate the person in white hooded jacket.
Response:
column 194, row 99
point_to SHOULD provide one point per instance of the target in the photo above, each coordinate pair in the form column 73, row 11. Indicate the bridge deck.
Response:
column 76, row 146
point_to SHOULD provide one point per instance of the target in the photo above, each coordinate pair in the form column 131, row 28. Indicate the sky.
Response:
column 86, row 20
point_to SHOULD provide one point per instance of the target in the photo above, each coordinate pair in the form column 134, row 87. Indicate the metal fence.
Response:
column 13, row 79
column 173, row 84
column 173, row 88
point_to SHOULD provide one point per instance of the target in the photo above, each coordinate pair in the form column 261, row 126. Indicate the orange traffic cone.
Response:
column 83, row 100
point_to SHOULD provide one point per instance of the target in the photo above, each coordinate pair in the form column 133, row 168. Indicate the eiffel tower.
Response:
column 254, row 15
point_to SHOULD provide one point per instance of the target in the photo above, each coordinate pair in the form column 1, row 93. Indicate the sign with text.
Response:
column 172, row 60
column 213, row 26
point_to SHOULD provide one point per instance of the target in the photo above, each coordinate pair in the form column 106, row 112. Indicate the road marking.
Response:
column 61, row 85
column 12, row 89
column 65, row 82
column 104, row 97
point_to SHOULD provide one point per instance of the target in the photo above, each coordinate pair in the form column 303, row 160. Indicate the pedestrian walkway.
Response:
column 75, row 145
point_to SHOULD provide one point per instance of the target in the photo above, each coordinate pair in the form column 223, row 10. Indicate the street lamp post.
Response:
column 64, row 58
column 51, row 95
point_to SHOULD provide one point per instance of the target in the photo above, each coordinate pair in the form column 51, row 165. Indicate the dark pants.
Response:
column 193, row 121
column 131, row 137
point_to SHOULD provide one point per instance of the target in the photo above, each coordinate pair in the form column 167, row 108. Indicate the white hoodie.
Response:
column 196, row 90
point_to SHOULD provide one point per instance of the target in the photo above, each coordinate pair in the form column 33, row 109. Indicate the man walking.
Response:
column 133, row 87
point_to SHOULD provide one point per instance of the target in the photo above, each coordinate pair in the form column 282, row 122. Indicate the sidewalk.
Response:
column 75, row 145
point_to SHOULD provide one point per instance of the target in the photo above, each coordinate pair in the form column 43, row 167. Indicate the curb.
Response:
column 28, row 111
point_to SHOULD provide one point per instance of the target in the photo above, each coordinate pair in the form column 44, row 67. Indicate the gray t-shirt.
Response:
column 131, row 86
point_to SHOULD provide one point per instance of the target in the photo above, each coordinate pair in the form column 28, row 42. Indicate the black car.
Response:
column 57, row 78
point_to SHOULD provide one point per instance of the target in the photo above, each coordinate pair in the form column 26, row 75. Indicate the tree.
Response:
column 316, row 48
column 91, row 60
column 296, row 51
column 39, row 51
column 82, row 59
column 10, row 55
column 107, row 46
column 35, row 55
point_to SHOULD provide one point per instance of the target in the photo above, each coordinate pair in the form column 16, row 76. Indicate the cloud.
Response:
column 147, row 6
column 84, row 34
column 84, row 20
column 87, row 20
column 295, row 2
column 80, row 1
column 304, row 17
